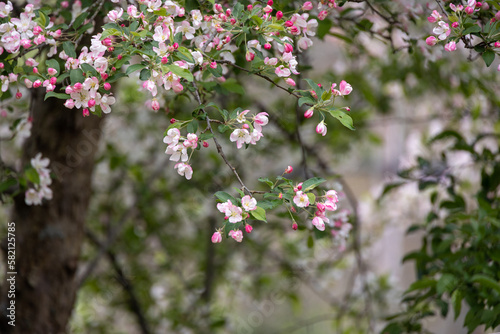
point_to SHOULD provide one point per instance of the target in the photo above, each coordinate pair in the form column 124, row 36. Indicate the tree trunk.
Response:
column 49, row 237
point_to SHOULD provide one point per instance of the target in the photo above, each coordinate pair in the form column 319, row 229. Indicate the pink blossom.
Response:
column 322, row 15
column 216, row 237
column 240, row 136
column 260, row 120
column 155, row 105
column 309, row 113
column 236, row 235
column 249, row 203
column 435, row 16
column 290, row 82
column 288, row 170
column 172, row 137
column 282, row 71
column 345, row 88
column 321, row 128
column 185, row 170
column 319, row 223
column 451, row 46
column 115, row 14
column 249, row 56
column 301, row 200
column 51, row 71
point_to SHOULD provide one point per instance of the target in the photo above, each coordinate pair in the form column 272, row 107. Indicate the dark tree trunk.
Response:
column 49, row 237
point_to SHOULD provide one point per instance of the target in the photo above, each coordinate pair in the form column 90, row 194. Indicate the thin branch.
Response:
column 259, row 75
column 442, row 8
column 217, row 145
column 135, row 306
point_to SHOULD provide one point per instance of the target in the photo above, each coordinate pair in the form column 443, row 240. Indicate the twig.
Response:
column 217, row 145
column 259, row 75
column 135, row 306
column 98, row 9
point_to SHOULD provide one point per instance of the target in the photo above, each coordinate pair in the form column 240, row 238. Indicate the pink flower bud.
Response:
column 28, row 83
column 288, row 47
column 321, row 206
column 295, row 226
column 155, row 105
column 107, row 86
column 19, row 95
column 309, row 113
column 321, row 128
column 307, row 5
column 431, row 40
column 216, row 237
column 454, row 25
column 65, row 4
column 85, row 112
column 280, row 196
column 35, row 70
column 233, row 21
column 205, row 144
column 279, row 15
column 267, row 46
column 68, row 90
column 288, row 170
column 451, row 46
column 77, row 86
column 2, row 65
column 497, row 44
column 213, row 65
column 468, row 11
column 479, row 4
column 249, row 8
column 53, row 80
column 249, row 56
column 322, row 15
column 245, row 126
column 290, row 82
column 119, row 57
column 248, row 228
column 294, row 30
column 107, row 41
column 218, row 8
column 70, row 104
column 37, row 84
column 91, row 103
column 299, row 186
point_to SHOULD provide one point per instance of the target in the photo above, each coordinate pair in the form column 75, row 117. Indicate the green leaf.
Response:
column 161, row 12
column 486, row 281
column 32, row 175
column 182, row 72
column 9, row 182
column 233, row 86
column 54, row 64
column 184, row 54
column 76, row 76
column 456, row 301
column 446, row 283
column 312, row 183
column 61, row 96
column 314, row 86
column 488, row 57
column 135, row 67
column 473, row 29
column 86, row 68
column 306, row 100
column 259, row 214
column 206, row 136
column 323, row 28
column 224, row 196
column 423, row 283
column 345, row 119
column 266, row 181
column 79, row 20
column 237, row 10
column 145, row 74
column 69, row 49
column 312, row 198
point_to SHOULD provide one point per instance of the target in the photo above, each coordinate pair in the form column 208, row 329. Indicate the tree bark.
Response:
column 49, row 237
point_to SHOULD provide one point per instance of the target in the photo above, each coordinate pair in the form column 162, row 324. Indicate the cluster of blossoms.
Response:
column 443, row 30
column 245, row 134
column 331, row 199
column 235, row 214
column 177, row 148
column 34, row 196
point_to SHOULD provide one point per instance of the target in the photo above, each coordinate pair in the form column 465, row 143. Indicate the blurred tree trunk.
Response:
column 49, row 237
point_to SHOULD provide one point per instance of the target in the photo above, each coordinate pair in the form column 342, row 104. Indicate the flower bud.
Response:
column 85, row 112
column 107, row 86
column 248, row 228
column 205, row 144
column 288, row 170
column 91, row 103
column 279, row 15
column 309, row 113
column 216, row 237
column 19, row 95
column 321, row 128
column 295, row 226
